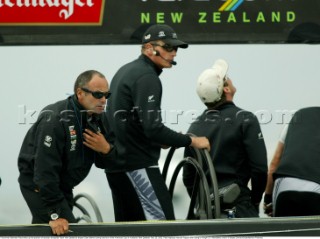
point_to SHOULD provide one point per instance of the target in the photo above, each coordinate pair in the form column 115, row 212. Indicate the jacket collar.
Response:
column 151, row 63
column 224, row 105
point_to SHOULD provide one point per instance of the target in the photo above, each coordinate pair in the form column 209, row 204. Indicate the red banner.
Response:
column 51, row 12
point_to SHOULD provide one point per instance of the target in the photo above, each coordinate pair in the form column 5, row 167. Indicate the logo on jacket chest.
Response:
column 73, row 138
column 47, row 141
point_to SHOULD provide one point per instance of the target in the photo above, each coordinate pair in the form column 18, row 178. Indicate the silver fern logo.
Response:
column 149, row 201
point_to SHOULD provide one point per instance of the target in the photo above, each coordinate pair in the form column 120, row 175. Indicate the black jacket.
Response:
column 301, row 153
column 237, row 148
column 134, row 113
column 53, row 158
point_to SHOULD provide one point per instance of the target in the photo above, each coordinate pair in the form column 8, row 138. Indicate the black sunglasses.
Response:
column 97, row 94
column 167, row 47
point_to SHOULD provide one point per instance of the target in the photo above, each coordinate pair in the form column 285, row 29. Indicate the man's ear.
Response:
column 226, row 89
column 78, row 92
column 149, row 48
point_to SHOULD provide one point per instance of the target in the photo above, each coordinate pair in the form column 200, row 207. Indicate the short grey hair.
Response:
column 85, row 77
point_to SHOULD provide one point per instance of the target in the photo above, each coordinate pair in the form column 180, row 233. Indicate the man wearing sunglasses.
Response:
column 138, row 188
column 59, row 149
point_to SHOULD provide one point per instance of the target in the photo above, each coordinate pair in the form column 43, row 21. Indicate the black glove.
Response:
column 267, row 204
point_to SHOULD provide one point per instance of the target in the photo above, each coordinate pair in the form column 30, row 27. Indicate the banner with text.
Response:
column 74, row 22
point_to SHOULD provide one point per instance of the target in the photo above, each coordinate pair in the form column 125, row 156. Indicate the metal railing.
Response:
column 201, row 203
column 86, row 215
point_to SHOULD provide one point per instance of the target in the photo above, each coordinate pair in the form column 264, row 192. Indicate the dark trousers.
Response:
column 294, row 203
column 242, row 205
column 245, row 209
column 40, row 212
column 128, row 206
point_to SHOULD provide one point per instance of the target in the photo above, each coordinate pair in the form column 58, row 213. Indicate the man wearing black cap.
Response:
column 138, row 188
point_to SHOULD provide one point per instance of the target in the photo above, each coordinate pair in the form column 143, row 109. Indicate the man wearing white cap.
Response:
column 237, row 146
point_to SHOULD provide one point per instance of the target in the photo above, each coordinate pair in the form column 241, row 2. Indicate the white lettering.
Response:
column 90, row 3
column 65, row 13
column 69, row 12
column 7, row 2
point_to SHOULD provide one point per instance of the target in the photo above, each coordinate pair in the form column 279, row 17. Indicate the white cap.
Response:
column 210, row 82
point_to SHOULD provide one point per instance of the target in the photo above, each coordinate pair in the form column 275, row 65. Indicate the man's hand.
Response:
column 96, row 141
column 200, row 143
column 59, row 226
column 267, row 205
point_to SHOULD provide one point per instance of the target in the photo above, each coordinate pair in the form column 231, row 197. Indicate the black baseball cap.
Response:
column 165, row 33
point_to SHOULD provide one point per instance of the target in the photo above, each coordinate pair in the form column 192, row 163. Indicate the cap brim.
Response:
column 221, row 66
column 176, row 42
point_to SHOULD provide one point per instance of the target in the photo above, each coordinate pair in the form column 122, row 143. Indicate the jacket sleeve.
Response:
column 50, row 141
column 102, row 160
column 257, row 154
column 148, row 93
